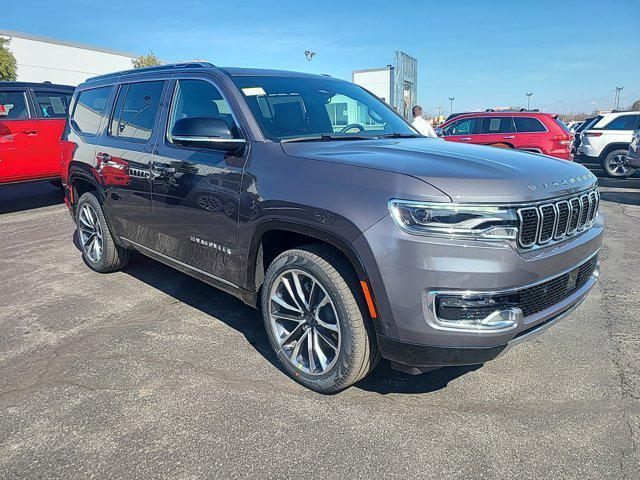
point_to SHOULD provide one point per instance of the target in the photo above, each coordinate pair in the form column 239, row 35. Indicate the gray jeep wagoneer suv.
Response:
column 310, row 198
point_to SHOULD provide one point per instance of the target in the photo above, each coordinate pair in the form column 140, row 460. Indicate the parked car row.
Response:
column 522, row 130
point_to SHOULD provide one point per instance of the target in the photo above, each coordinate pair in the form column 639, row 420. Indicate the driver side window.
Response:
column 199, row 98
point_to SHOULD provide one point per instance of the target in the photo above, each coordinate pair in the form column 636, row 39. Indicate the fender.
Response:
column 312, row 231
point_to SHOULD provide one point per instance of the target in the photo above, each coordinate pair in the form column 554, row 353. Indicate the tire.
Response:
column 342, row 323
column 615, row 164
column 92, row 228
column 501, row 145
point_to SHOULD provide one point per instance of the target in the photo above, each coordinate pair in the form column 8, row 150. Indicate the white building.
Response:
column 41, row 59
column 378, row 81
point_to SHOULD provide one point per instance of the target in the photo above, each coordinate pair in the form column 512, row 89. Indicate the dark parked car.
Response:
column 311, row 199
column 633, row 157
column 32, row 117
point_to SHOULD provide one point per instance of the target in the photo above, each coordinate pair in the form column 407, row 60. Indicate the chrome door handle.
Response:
column 31, row 133
column 509, row 136
column 161, row 169
column 465, row 139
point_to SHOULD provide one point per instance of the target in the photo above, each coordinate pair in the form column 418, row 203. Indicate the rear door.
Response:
column 19, row 139
column 124, row 156
column 52, row 108
column 497, row 131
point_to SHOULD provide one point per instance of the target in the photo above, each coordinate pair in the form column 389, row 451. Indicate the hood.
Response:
column 467, row 173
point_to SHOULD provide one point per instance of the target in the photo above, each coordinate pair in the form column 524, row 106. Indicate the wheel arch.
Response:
column 613, row 146
column 272, row 237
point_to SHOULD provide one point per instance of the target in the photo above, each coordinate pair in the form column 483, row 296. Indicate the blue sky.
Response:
column 571, row 54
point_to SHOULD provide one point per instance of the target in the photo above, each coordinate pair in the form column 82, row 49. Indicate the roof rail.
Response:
column 159, row 68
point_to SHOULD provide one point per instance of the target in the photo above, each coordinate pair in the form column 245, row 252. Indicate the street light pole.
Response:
column 529, row 100
column 439, row 111
column 617, row 104
column 451, row 99
column 309, row 55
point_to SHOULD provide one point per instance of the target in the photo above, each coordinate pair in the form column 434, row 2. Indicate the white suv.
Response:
column 607, row 141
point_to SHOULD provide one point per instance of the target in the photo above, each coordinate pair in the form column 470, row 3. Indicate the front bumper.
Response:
column 430, row 356
column 588, row 151
column 410, row 267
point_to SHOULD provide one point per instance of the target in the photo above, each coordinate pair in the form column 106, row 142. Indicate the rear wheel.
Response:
column 616, row 165
column 99, row 250
column 315, row 319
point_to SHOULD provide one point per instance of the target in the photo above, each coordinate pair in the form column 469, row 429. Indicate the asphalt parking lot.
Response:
column 148, row 373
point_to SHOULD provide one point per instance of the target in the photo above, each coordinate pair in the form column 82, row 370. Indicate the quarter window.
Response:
column 89, row 108
column 497, row 125
column 53, row 104
column 623, row 122
column 528, row 125
column 13, row 106
column 135, row 110
column 198, row 98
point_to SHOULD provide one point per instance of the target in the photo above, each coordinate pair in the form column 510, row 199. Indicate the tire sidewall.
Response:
column 607, row 169
column 344, row 364
column 107, row 245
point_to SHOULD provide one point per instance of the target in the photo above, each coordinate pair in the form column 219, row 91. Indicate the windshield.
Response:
column 289, row 108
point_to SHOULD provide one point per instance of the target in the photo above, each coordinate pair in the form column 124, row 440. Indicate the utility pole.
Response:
column 616, row 106
column 451, row 99
column 529, row 100
column 309, row 54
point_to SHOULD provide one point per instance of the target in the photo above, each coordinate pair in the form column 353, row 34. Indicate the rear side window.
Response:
column 136, row 109
column 624, row 122
column 88, row 110
column 13, row 106
column 528, row 124
column 497, row 125
column 53, row 104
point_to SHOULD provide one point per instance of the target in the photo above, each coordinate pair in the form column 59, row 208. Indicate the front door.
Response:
column 196, row 191
column 462, row 130
column 19, row 137
column 124, row 157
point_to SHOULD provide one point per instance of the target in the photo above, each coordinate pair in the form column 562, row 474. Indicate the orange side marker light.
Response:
column 367, row 296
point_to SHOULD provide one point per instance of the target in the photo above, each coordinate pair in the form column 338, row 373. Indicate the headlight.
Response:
column 467, row 221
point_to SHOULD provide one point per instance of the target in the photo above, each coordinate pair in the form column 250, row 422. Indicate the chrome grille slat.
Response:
column 540, row 224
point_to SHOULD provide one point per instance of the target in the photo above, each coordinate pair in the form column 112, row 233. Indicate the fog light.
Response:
column 477, row 312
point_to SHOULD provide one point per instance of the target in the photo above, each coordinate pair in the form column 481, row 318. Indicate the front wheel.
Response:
column 315, row 319
column 616, row 165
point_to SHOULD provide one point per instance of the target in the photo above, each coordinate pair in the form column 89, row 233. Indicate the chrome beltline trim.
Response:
column 186, row 265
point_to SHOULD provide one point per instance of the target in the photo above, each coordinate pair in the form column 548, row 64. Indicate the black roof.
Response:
column 230, row 71
column 36, row 85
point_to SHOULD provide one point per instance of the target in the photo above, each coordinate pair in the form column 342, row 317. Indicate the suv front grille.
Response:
column 535, row 299
column 540, row 224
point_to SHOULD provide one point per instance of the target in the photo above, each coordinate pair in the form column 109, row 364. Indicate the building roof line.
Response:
column 40, row 38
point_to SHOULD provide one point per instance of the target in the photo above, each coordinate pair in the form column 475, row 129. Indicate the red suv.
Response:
column 523, row 130
column 32, row 117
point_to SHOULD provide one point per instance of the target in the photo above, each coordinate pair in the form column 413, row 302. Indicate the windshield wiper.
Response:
column 325, row 137
column 399, row 135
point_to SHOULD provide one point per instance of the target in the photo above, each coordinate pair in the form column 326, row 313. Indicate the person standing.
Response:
column 421, row 124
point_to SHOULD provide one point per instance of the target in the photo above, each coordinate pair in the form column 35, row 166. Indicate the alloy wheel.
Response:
column 304, row 322
column 619, row 166
column 90, row 233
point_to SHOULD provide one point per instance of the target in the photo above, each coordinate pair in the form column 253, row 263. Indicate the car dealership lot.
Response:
column 149, row 373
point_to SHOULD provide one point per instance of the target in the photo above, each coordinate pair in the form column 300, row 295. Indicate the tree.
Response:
column 149, row 60
column 8, row 68
column 635, row 106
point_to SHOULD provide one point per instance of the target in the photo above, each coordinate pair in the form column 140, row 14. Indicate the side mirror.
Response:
column 206, row 132
column 439, row 131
